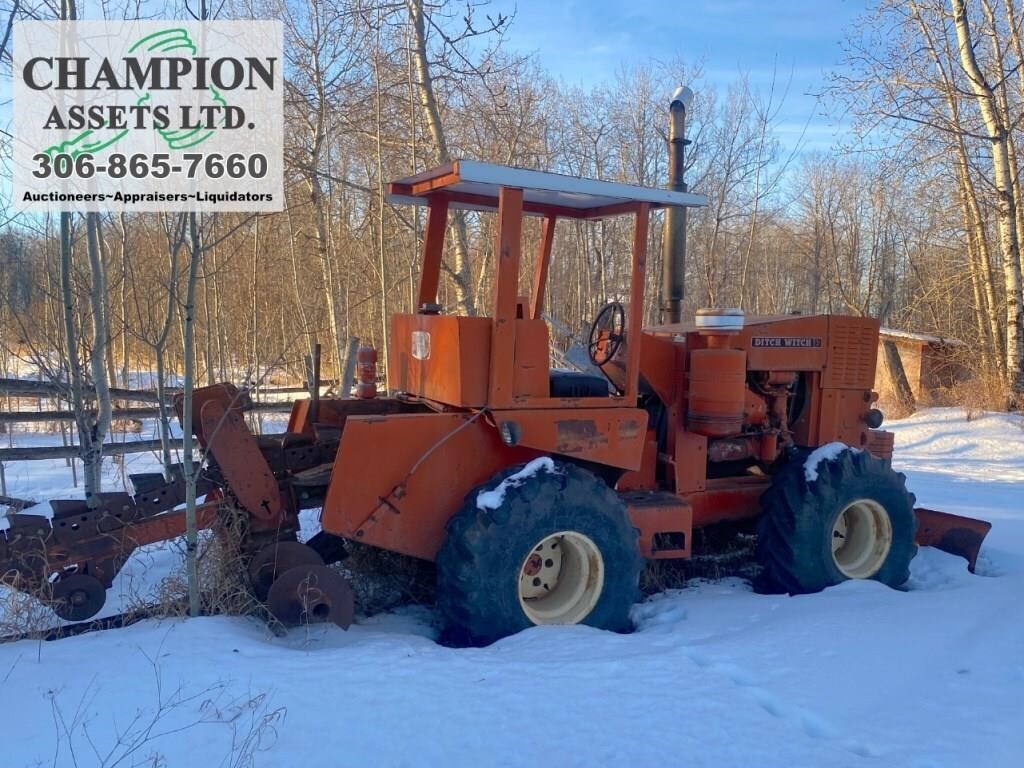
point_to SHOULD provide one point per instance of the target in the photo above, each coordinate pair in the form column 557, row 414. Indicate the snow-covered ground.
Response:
column 714, row 675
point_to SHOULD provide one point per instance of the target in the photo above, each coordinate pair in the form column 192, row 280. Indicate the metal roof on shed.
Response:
column 923, row 338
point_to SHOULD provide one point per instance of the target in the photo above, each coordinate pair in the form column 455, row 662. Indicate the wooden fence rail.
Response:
column 20, row 388
column 24, row 388
column 27, row 388
column 40, row 452
column 15, row 505
column 36, row 417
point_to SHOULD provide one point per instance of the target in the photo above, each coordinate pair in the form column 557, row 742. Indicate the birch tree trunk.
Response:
column 300, row 303
column 1013, row 32
column 987, row 320
column 382, row 264
column 92, row 425
column 72, row 350
column 91, row 420
column 92, row 459
column 191, row 469
column 175, row 242
column 996, row 125
column 125, row 354
column 1000, row 90
column 316, row 194
column 461, row 274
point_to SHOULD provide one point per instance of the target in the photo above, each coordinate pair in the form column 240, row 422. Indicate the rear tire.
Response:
column 558, row 549
column 855, row 521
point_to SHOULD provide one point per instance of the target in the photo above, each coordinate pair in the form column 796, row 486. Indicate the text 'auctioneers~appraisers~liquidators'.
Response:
column 148, row 116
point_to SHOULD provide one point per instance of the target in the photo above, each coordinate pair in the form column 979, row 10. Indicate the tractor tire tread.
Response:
column 797, row 515
column 478, row 564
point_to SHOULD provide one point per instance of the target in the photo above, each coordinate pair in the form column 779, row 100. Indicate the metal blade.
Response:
column 312, row 594
column 276, row 559
column 951, row 533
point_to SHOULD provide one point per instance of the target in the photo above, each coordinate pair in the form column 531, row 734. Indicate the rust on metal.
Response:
column 661, row 518
column 421, row 450
column 612, row 436
column 578, row 436
column 276, row 559
column 881, row 443
column 310, row 595
column 239, row 458
column 77, row 597
column 96, row 539
column 90, row 544
column 228, row 394
column 951, row 533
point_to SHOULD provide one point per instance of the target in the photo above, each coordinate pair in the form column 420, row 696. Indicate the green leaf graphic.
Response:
column 92, row 141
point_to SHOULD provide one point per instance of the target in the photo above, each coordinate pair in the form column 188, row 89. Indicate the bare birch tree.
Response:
column 997, row 124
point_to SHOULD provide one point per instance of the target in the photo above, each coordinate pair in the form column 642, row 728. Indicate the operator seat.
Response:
column 577, row 384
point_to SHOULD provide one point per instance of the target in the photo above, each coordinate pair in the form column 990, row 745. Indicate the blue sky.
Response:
column 586, row 41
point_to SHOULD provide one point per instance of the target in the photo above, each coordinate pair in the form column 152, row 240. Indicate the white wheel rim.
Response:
column 561, row 579
column 861, row 539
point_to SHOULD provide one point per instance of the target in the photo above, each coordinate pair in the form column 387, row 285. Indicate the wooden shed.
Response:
column 932, row 366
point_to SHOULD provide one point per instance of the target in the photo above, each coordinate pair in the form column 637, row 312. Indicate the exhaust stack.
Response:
column 673, row 238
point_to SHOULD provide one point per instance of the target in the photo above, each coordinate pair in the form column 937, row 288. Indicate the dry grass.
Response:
column 223, row 571
column 893, row 409
column 24, row 602
column 248, row 720
column 986, row 391
column 719, row 551
column 223, row 578
column 383, row 580
column 25, row 615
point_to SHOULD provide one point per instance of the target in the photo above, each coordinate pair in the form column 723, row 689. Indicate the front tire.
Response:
column 556, row 548
column 854, row 521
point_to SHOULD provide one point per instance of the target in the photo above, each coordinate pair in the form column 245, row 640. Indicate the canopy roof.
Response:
column 474, row 186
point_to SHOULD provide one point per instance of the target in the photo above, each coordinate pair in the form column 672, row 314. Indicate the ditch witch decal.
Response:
column 785, row 341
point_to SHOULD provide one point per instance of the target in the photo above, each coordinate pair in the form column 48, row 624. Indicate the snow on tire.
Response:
column 854, row 520
column 543, row 543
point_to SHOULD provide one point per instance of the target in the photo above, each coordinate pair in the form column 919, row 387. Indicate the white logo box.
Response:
column 134, row 105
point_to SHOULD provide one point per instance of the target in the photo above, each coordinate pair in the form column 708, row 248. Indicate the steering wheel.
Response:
column 607, row 333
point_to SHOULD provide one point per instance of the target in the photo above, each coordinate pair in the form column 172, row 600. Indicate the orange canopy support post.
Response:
column 540, row 274
column 636, row 300
column 506, row 289
column 433, row 248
